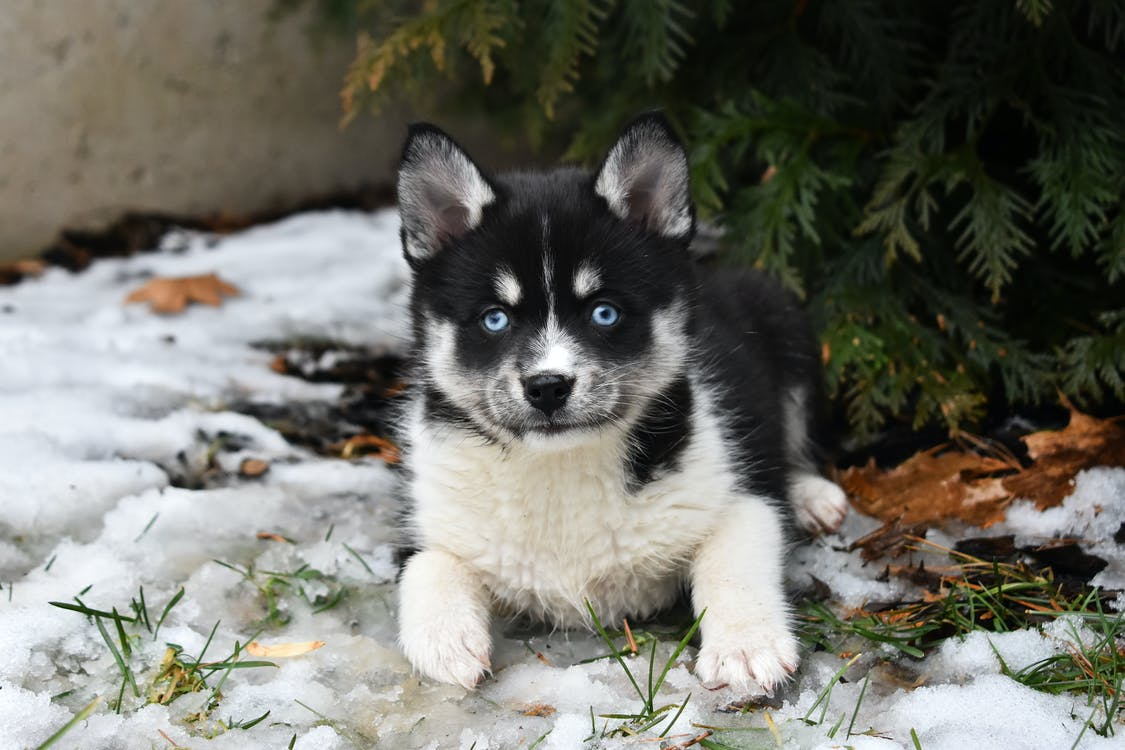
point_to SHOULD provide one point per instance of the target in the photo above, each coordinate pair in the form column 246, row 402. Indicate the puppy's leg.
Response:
column 443, row 619
column 818, row 504
column 737, row 577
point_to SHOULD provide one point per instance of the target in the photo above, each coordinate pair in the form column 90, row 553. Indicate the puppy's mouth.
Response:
column 554, row 428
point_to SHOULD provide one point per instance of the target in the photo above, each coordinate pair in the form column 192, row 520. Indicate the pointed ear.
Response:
column 441, row 193
column 644, row 179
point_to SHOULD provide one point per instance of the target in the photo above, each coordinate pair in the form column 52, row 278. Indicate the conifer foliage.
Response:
column 943, row 182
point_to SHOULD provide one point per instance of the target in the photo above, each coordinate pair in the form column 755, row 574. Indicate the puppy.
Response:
column 596, row 418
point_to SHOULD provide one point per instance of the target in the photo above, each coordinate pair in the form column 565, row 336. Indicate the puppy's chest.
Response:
column 546, row 531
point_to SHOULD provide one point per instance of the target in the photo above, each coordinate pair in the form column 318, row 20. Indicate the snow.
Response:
column 103, row 405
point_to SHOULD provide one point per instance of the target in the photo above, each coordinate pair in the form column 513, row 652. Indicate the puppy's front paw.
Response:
column 820, row 505
column 740, row 657
column 443, row 619
column 455, row 651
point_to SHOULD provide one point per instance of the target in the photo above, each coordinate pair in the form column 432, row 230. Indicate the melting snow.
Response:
column 102, row 403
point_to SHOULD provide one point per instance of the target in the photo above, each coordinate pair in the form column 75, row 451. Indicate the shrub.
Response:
column 943, row 182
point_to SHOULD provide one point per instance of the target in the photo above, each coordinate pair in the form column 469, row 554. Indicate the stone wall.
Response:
column 190, row 106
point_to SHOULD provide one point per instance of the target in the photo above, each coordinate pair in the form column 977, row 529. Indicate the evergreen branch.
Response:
column 570, row 30
column 990, row 238
column 655, row 37
column 1089, row 365
column 1035, row 10
column 474, row 25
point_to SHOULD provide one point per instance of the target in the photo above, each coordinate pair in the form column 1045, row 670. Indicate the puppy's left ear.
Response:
column 644, row 179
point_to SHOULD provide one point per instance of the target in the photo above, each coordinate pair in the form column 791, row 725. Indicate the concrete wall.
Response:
column 179, row 105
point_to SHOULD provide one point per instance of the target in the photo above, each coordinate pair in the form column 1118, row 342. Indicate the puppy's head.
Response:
column 548, row 307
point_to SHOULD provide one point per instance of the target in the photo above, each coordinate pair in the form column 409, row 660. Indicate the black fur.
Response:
column 752, row 341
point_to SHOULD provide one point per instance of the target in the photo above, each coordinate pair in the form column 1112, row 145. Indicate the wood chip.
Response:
column 170, row 295
column 282, row 650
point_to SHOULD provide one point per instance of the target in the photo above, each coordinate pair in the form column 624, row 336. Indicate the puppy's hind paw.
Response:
column 765, row 662
column 819, row 505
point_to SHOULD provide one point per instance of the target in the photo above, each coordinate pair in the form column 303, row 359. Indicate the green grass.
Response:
column 277, row 586
column 177, row 674
column 979, row 595
column 650, row 716
column 1093, row 665
column 77, row 719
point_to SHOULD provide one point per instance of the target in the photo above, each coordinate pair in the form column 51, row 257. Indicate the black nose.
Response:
column 547, row 393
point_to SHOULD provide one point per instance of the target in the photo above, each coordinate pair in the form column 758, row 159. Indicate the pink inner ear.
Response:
column 639, row 202
column 454, row 219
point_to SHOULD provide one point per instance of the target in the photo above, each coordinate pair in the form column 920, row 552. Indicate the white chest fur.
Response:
column 547, row 530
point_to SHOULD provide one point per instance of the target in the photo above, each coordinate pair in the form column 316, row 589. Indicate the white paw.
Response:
column 448, row 650
column 820, row 505
column 759, row 655
column 443, row 619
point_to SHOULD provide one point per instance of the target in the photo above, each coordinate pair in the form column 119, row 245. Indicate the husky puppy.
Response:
column 595, row 417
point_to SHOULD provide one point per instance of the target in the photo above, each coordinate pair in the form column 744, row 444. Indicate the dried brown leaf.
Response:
column 282, row 650
column 977, row 486
column 1059, row 455
column 930, row 487
column 539, row 709
column 169, row 295
column 365, row 444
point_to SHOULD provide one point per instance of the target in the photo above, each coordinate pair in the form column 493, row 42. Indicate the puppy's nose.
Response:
column 548, row 392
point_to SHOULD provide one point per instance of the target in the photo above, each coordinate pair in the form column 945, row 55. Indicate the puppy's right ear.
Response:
column 441, row 193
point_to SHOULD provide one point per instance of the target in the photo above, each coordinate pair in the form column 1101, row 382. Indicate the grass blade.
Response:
column 89, row 611
column 616, row 655
column 126, row 673
column 360, row 559
column 126, row 649
column 207, row 643
column 78, row 717
column 168, row 608
column 676, row 718
column 858, row 703
column 676, row 654
column 826, row 692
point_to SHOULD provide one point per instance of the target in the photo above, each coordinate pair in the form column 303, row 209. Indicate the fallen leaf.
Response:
column 539, row 709
column 253, row 467
column 16, row 270
column 365, row 444
column 1058, row 455
column 932, row 486
column 169, row 295
column 282, row 650
column 977, row 486
column 269, row 536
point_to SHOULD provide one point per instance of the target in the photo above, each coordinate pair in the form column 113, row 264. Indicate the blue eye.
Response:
column 605, row 314
column 495, row 320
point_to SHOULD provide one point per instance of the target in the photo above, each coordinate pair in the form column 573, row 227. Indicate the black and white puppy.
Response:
column 596, row 418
